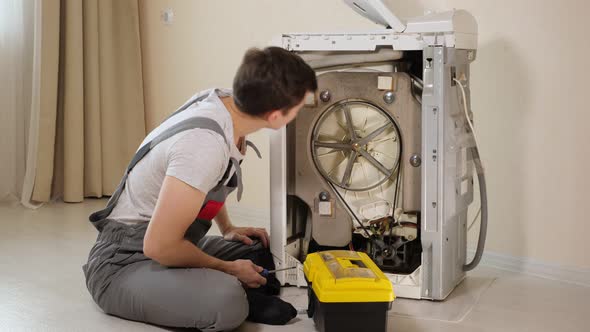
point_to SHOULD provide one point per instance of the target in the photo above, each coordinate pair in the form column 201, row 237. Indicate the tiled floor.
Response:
column 42, row 287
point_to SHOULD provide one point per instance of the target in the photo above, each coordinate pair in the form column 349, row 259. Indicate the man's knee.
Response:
column 231, row 304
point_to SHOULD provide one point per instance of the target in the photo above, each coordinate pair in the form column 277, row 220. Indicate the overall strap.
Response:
column 254, row 147
column 236, row 164
column 191, row 123
column 189, row 103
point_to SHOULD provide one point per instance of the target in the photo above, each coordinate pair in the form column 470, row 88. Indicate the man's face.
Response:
column 278, row 119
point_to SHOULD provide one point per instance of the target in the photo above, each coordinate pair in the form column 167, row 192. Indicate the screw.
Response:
column 415, row 160
column 325, row 96
column 389, row 97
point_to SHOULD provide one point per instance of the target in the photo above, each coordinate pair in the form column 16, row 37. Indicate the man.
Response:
column 152, row 261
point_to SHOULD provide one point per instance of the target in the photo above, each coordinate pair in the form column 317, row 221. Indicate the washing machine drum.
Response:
column 356, row 145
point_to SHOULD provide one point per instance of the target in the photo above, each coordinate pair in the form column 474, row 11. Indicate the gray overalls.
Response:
column 126, row 283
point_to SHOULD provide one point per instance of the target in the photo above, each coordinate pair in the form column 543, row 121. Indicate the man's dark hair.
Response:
column 272, row 79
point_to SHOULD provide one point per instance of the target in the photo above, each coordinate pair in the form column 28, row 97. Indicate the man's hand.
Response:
column 247, row 272
column 245, row 235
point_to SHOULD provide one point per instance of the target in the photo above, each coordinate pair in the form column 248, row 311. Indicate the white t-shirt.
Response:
column 197, row 157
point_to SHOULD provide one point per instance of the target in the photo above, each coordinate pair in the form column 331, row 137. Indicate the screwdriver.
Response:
column 265, row 273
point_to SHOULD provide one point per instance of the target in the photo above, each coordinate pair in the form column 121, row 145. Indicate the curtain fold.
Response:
column 92, row 105
column 16, row 80
column 48, row 87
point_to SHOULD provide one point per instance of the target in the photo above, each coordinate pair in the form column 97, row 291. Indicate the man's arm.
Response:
column 239, row 234
column 177, row 206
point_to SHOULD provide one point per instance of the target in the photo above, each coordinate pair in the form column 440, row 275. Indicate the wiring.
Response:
column 466, row 113
column 462, row 89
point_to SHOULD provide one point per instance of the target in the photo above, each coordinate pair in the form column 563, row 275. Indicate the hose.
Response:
column 481, row 241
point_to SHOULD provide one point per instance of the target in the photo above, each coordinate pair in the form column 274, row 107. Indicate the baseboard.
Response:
column 261, row 218
column 536, row 268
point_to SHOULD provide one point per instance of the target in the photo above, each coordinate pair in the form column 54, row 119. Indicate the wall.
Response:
column 204, row 47
column 529, row 83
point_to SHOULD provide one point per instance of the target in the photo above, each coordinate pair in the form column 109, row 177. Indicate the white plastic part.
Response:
column 457, row 21
column 407, row 285
column 293, row 277
column 310, row 99
column 375, row 209
column 377, row 12
column 385, row 83
column 325, row 208
column 319, row 60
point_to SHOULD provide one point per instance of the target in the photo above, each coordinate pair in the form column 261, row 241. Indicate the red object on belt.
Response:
column 210, row 210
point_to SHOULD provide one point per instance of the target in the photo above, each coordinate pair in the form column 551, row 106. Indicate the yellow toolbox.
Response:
column 347, row 292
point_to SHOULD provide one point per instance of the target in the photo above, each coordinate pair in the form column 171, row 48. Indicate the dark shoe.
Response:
column 266, row 309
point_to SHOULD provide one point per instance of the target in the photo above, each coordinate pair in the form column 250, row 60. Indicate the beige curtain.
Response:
column 92, row 107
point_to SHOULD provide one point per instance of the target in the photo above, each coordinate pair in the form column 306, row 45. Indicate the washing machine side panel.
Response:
column 444, row 171
column 278, row 199
column 457, row 171
column 431, row 105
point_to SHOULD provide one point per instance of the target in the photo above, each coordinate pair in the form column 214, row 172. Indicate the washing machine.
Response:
column 382, row 158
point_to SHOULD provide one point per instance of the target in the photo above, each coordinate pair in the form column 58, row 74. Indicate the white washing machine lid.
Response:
column 376, row 11
column 453, row 28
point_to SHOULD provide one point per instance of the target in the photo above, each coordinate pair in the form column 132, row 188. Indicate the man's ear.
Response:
column 273, row 115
